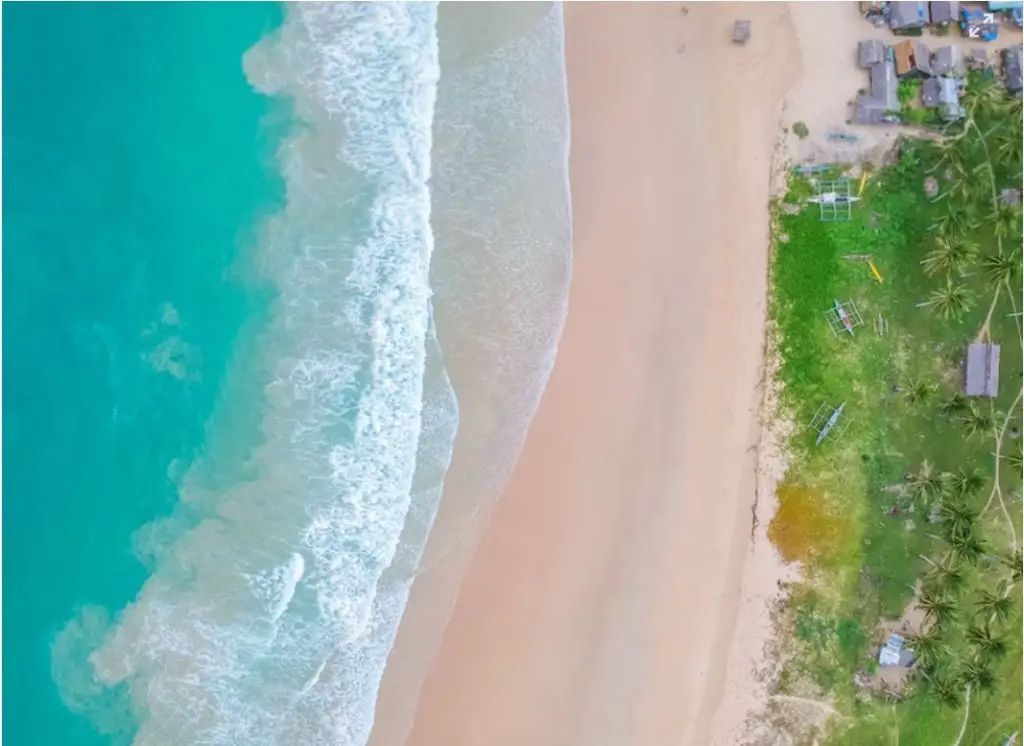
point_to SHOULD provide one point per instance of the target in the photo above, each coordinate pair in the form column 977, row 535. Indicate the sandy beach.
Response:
column 602, row 606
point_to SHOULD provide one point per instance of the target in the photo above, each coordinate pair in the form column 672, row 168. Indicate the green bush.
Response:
column 910, row 90
column 800, row 130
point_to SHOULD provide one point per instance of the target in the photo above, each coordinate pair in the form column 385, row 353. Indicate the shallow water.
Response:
column 244, row 389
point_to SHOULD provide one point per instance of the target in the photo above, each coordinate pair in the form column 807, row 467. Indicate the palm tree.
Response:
column 950, row 301
column 969, row 548
column 926, row 483
column 937, row 607
column 946, row 578
column 984, row 94
column 946, row 691
column 928, row 647
column 976, row 422
column 949, row 256
column 1005, row 220
column 1010, row 145
column 965, row 483
column 1016, row 458
column 1014, row 562
column 988, row 644
column 917, row 391
column 995, row 605
column 955, row 404
column 977, row 675
column 958, row 519
column 955, row 222
column 1000, row 268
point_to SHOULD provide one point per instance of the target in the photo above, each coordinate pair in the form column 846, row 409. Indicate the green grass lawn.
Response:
column 860, row 562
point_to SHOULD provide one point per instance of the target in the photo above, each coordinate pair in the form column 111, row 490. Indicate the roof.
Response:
column 947, row 61
column 943, row 12
column 979, row 25
column 912, row 57
column 908, row 14
column 977, row 57
column 982, row 375
column 870, row 52
column 884, row 85
column 890, row 653
column 1012, row 69
column 997, row 6
column 868, row 110
column 942, row 93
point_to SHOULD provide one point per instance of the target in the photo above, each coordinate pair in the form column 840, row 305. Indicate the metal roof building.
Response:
column 884, row 85
column 1012, row 69
column 913, row 59
column 870, row 52
column 981, row 377
column 903, row 15
column 943, row 12
column 948, row 61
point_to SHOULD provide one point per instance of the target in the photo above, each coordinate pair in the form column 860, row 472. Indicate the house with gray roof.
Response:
column 981, row 377
column 977, row 58
column 893, row 653
column 943, row 13
column 948, row 61
column 884, row 85
column 870, row 52
column 943, row 94
column 907, row 15
column 1012, row 69
column 882, row 103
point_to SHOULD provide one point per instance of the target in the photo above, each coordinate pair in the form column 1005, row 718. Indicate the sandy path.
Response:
column 602, row 604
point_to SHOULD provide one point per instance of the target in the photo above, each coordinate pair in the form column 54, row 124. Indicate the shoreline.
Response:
column 583, row 618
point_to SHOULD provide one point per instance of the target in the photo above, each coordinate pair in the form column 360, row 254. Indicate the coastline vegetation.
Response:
column 914, row 514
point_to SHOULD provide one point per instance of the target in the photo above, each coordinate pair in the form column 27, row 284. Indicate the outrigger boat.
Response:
column 844, row 317
column 832, row 198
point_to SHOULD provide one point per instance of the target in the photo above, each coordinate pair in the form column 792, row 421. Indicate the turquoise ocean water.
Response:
column 134, row 162
column 263, row 264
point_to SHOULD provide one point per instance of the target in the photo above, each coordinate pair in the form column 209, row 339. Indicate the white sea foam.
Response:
column 274, row 600
column 269, row 620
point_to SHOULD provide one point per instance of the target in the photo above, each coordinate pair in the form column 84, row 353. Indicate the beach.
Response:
column 619, row 590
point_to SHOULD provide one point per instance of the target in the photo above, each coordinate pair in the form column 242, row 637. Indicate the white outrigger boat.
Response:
column 832, row 198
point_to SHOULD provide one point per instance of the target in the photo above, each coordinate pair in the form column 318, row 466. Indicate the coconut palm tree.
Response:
column 917, row 391
column 988, row 644
column 955, row 222
column 976, row 422
column 1014, row 562
column 1016, row 458
column 994, row 605
column 965, row 483
column 977, row 675
column 950, row 301
column 1005, row 219
column 946, row 577
column 985, row 96
column 949, row 255
column 1000, row 268
column 925, row 484
column 969, row 548
column 958, row 519
column 938, row 608
column 946, row 691
column 955, row 404
column 929, row 647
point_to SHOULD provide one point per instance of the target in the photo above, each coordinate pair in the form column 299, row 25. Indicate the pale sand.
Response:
column 603, row 604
